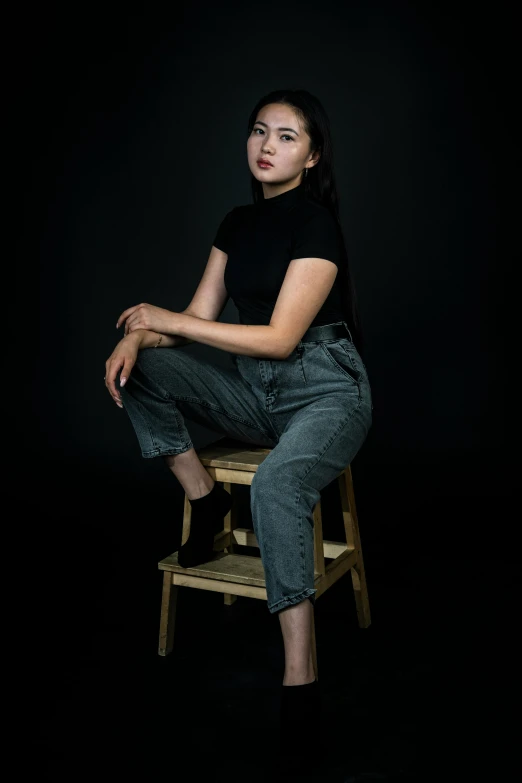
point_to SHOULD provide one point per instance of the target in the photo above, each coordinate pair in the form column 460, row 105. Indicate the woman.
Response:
column 298, row 384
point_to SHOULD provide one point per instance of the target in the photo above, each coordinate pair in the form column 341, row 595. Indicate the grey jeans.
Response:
column 313, row 409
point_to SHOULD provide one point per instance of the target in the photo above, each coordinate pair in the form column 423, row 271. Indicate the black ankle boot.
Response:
column 300, row 739
column 206, row 512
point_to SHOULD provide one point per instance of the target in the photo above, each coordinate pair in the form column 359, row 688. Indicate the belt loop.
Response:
column 346, row 327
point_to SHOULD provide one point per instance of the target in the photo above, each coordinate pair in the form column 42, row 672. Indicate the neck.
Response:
column 285, row 199
column 270, row 191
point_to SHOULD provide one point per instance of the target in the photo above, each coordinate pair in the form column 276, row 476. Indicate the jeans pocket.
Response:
column 342, row 360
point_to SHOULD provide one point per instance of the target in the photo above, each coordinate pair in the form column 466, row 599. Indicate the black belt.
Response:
column 326, row 332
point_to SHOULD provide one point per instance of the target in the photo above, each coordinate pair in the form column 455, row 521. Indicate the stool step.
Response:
column 241, row 569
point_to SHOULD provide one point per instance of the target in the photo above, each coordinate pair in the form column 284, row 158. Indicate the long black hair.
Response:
column 319, row 184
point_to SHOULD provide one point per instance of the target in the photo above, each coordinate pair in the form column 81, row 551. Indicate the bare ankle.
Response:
column 302, row 680
column 203, row 491
column 299, row 675
column 191, row 474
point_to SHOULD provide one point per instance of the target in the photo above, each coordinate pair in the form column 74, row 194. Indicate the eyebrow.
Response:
column 260, row 122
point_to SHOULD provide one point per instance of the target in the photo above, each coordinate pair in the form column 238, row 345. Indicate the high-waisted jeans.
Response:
column 313, row 409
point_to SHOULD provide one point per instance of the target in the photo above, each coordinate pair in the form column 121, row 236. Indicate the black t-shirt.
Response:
column 261, row 239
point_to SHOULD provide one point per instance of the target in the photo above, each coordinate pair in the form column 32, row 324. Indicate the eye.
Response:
column 285, row 135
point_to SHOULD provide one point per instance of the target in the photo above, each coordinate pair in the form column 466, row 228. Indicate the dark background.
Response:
column 132, row 138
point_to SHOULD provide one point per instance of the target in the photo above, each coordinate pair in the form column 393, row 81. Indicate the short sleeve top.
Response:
column 261, row 239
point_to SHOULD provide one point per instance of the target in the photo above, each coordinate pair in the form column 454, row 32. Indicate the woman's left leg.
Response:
column 296, row 627
column 317, row 443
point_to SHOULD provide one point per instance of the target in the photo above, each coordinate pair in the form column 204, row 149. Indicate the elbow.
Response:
column 280, row 348
column 283, row 352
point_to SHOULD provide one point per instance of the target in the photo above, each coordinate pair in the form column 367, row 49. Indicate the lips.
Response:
column 264, row 162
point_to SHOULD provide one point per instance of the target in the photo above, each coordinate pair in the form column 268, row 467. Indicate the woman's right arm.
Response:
column 124, row 356
column 208, row 302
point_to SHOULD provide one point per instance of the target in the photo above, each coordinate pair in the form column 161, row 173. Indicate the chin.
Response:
column 257, row 172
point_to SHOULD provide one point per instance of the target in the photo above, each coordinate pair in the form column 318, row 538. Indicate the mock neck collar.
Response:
column 282, row 201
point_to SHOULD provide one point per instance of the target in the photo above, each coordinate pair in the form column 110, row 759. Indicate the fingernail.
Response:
column 122, row 382
column 119, row 405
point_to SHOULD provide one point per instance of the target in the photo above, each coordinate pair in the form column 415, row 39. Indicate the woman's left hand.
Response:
column 146, row 316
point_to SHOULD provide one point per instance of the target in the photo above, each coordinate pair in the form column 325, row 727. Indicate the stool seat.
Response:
column 234, row 573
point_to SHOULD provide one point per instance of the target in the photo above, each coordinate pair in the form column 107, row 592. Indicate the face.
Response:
column 278, row 136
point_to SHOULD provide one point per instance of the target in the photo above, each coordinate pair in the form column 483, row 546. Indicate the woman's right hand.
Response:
column 123, row 357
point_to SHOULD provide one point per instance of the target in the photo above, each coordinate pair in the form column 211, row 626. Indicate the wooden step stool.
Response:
column 232, row 573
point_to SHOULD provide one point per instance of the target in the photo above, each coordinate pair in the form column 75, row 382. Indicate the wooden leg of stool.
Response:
column 353, row 540
column 362, row 603
column 229, row 525
column 314, row 647
column 168, row 614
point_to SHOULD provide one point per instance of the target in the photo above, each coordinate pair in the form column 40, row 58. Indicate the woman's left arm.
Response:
column 262, row 342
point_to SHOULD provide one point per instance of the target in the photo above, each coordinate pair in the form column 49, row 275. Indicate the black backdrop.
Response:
column 133, row 131
column 137, row 128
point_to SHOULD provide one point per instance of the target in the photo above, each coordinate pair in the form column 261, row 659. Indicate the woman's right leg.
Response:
column 168, row 385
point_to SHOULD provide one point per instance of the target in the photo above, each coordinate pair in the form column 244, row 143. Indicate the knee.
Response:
column 260, row 481
column 147, row 359
column 269, row 499
column 151, row 366
column 271, row 482
column 279, row 484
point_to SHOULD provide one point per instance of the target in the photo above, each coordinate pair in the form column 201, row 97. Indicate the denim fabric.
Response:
column 313, row 409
